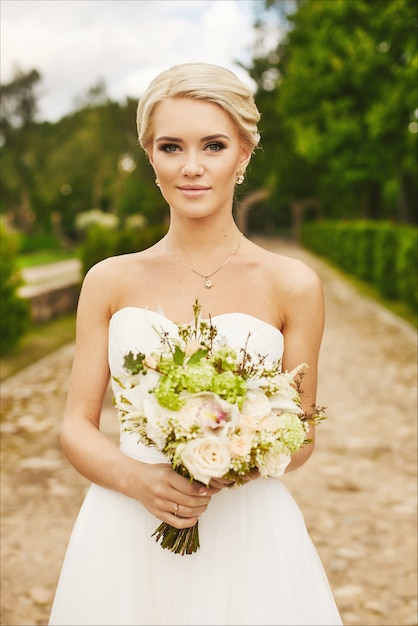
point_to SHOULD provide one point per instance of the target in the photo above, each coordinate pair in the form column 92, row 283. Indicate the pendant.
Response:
column 208, row 283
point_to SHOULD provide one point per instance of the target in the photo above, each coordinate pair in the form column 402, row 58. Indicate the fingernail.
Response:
column 202, row 492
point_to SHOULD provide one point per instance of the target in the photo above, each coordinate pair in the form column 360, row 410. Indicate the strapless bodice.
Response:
column 138, row 330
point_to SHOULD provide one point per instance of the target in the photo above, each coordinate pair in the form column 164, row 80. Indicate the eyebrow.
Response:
column 207, row 138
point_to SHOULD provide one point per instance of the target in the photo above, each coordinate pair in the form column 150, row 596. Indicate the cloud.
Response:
column 125, row 43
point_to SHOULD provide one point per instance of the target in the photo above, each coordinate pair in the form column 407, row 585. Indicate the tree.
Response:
column 345, row 102
column 18, row 102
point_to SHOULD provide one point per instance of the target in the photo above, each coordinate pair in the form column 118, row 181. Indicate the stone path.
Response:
column 358, row 491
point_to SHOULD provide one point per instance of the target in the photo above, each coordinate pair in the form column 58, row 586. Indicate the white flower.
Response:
column 282, row 402
column 186, row 417
column 192, row 346
column 274, row 463
column 157, row 421
column 151, row 361
column 130, row 400
column 206, row 458
column 209, row 411
column 240, row 446
column 271, row 423
column 247, row 425
column 256, row 405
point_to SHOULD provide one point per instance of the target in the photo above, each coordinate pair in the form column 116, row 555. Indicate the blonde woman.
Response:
column 256, row 565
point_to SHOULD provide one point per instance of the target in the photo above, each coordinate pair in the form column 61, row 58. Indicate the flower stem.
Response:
column 180, row 541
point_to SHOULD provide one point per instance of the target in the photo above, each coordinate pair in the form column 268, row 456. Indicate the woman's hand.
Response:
column 221, row 483
column 172, row 498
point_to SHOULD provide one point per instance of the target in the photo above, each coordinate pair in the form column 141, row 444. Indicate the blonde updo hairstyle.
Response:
column 201, row 81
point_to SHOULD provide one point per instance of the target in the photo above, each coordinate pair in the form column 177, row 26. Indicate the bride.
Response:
column 198, row 126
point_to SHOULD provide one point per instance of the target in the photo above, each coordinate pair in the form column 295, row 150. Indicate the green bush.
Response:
column 379, row 253
column 386, row 251
column 14, row 310
column 406, row 264
column 39, row 241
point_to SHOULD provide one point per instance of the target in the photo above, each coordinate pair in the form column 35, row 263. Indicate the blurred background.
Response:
column 335, row 80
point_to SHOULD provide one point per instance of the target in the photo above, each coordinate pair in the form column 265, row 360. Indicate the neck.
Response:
column 216, row 239
column 208, row 283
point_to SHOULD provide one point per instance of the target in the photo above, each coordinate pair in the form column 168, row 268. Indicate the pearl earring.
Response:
column 239, row 178
column 157, row 182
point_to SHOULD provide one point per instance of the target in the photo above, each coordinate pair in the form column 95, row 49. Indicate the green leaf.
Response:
column 133, row 363
column 197, row 356
column 178, row 356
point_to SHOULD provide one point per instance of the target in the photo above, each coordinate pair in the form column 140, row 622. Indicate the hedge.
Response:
column 380, row 253
column 14, row 310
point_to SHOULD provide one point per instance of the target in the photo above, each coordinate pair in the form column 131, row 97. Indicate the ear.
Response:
column 246, row 154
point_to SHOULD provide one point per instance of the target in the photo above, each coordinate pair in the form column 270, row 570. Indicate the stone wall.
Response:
column 47, row 303
column 52, row 290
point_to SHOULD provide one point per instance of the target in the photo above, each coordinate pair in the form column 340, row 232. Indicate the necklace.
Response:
column 208, row 283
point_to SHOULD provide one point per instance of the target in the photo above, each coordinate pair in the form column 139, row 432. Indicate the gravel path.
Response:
column 358, row 491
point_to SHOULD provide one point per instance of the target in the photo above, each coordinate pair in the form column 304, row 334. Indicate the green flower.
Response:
column 230, row 387
column 168, row 389
column 199, row 377
column 293, row 434
column 224, row 359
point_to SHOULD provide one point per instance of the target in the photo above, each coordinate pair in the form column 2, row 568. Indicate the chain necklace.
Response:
column 208, row 283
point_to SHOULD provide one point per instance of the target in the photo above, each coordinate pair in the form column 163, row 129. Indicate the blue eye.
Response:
column 169, row 147
column 215, row 146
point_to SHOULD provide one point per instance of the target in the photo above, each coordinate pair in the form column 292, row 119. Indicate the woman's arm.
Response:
column 303, row 326
column 92, row 454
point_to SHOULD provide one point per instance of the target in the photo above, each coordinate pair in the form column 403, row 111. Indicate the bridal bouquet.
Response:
column 213, row 411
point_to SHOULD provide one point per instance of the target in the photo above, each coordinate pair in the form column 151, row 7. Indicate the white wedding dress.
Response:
column 256, row 564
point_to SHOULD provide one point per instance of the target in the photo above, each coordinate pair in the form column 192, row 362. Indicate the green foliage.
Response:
column 36, row 242
column 337, row 93
column 380, row 253
column 90, row 158
column 344, row 103
column 14, row 311
column 406, row 268
column 101, row 243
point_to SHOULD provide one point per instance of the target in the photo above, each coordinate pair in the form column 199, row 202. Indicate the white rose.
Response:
column 271, row 422
column 247, row 425
column 240, row 446
column 206, row 458
column 256, row 404
column 274, row 463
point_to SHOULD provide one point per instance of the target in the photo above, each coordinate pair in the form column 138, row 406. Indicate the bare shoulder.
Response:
column 104, row 281
column 288, row 273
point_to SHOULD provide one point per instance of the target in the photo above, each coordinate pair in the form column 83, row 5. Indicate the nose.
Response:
column 192, row 165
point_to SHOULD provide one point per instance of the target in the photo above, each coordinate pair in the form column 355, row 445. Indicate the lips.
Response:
column 193, row 191
column 193, row 188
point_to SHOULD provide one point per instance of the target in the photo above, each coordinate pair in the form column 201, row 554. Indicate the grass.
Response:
column 38, row 343
column 42, row 257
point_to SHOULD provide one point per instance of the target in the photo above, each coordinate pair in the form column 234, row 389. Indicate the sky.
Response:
column 74, row 44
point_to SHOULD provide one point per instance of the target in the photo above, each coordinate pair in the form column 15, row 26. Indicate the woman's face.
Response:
column 196, row 154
